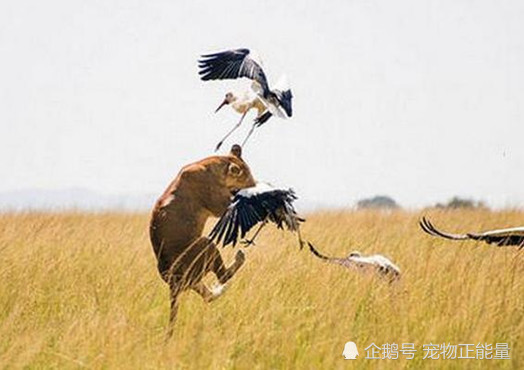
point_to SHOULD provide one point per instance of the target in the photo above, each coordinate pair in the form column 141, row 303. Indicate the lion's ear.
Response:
column 234, row 170
column 236, row 151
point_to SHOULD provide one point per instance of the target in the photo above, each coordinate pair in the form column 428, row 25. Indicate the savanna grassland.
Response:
column 82, row 290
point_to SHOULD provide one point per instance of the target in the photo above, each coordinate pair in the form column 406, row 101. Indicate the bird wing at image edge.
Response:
column 428, row 227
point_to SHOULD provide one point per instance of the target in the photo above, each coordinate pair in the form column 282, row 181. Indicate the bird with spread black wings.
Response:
column 502, row 237
column 259, row 204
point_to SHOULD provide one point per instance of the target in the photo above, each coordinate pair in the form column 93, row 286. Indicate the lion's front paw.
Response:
column 218, row 290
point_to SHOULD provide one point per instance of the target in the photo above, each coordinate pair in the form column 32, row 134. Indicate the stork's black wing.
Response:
column 281, row 209
column 240, row 217
column 503, row 237
column 249, row 208
column 232, row 64
column 428, row 227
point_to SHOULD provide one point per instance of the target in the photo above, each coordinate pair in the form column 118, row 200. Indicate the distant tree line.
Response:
column 377, row 202
column 388, row 203
column 458, row 202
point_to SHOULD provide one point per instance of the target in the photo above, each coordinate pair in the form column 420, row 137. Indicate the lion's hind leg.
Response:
column 175, row 288
column 224, row 273
column 214, row 263
column 207, row 258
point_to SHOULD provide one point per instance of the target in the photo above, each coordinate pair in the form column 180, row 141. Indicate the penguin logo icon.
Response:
column 350, row 351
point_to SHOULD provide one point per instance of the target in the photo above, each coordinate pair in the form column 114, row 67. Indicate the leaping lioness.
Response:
column 200, row 190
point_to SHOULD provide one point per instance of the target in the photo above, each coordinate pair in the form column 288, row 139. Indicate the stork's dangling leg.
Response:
column 263, row 118
column 300, row 240
column 252, row 240
column 231, row 131
column 249, row 134
column 259, row 121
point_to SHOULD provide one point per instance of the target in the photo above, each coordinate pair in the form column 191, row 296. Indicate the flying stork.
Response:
column 356, row 261
column 238, row 63
column 502, row 237
column 262, row 203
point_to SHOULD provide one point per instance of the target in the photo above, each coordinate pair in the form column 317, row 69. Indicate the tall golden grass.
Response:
column 82, row 290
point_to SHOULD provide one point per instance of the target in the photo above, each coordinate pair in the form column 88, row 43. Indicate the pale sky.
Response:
column 419, row 100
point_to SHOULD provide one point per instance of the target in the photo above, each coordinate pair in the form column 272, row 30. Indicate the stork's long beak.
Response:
column 221, row 105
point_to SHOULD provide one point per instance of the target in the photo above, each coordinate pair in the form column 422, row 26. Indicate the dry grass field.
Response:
column 82, row 290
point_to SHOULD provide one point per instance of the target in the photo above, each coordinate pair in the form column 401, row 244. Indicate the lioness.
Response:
column 184, row 256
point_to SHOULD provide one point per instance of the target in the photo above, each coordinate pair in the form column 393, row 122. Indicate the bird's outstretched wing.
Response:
column 428, row 227
column 232, row 64
column 251, row 206
column 502, row 237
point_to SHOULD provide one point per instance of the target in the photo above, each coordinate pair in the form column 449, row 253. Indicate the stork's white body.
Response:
column 243, row 103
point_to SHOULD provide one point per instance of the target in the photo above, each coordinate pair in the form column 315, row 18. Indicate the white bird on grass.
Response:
column 356, row 261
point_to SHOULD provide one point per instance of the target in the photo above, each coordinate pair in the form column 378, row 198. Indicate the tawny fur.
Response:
column 201, row 190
